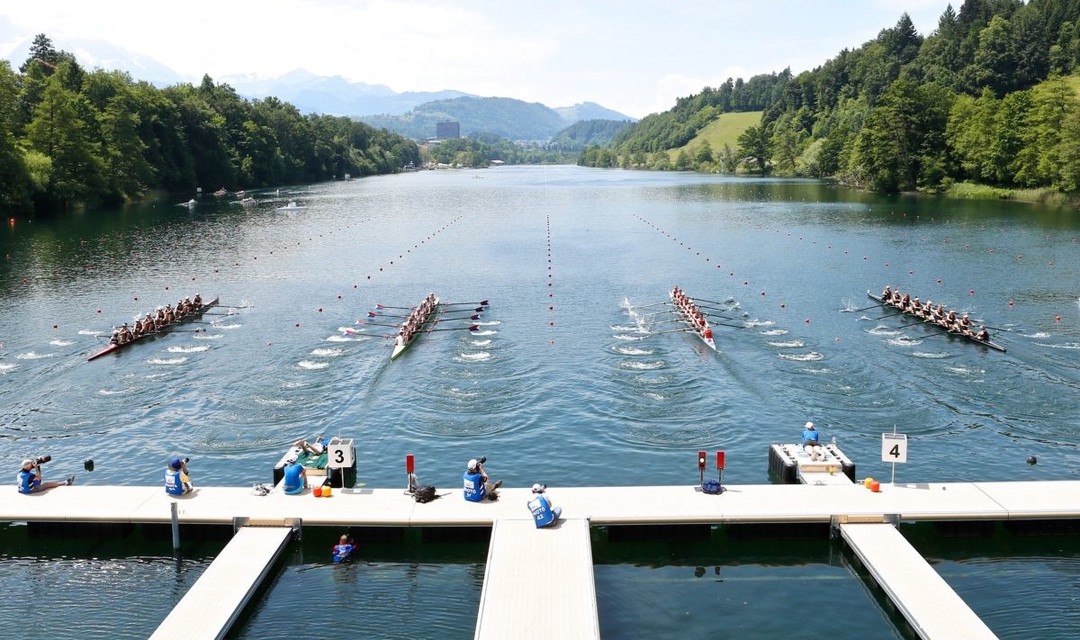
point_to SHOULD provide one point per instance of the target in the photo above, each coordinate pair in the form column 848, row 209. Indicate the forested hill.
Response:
column 986, row 97
column 71, row 137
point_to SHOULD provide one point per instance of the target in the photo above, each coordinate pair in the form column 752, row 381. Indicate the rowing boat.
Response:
column 703, row 332
column 188, row 318
column 986, row 343
column 400, row 346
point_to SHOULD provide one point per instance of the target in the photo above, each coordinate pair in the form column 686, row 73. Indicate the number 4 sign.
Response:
column 893, row 447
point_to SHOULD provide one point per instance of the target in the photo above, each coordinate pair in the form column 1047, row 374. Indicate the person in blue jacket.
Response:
column 30, row 479
column 295, row 478
column 811, row 442
column 477, row 483
column 543, row 513
column 343, row 550
column 177, row 480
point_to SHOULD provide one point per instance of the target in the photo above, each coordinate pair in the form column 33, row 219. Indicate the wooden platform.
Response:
column 928, row 603
column 220, row 594
column 539, row 582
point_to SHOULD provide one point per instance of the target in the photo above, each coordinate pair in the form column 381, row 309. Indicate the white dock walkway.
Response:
column 539, row 582
column 928, row 603
column 220, row 594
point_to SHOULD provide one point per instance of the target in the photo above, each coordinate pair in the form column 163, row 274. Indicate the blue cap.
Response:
column 175, row 463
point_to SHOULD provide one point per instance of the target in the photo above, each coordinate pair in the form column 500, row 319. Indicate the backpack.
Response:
column 424, row 493
column 711, row 486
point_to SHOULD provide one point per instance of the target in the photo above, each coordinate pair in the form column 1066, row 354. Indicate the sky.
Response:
column 635, row 56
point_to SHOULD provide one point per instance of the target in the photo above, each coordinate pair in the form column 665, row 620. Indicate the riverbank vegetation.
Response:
column 71, row 137
column 990, row 97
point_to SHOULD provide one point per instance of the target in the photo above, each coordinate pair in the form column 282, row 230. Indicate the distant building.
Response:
column 447, row 130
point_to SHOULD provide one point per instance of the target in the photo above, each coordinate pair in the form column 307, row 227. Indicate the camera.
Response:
column 42, row 459
column 186, row 460
column 481, row 460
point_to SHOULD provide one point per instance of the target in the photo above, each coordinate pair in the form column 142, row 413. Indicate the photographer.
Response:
column 543, row 512
column 177, row 481
column 30, row 479
column 477, row 483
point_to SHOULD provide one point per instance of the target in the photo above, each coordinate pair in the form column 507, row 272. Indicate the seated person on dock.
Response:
column 295, row 480
column 810, row 442
column 477, row 483
column 30, row 478
column 314, row 448
column 177, row 480
column 343, row 549
column 543, row 513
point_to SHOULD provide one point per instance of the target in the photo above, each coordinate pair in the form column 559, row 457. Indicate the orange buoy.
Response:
column 875, row 486
column 317, row 492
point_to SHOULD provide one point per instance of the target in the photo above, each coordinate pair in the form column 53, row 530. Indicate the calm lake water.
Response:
column 559, row 385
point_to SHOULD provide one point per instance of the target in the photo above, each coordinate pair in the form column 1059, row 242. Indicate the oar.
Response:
column 644, row 306
column 376, row 314
column 447, row 304
column 733, row 326
column 704, row 300
column 888, row 315
column 474, row 327
column 231, row 306
column 671, row 331
column 912, row 324
column 873, row 306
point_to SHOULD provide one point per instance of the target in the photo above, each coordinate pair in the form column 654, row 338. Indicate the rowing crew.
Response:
column 690, row 310
column 938, row 315
column 152, row 322
column 415, row 320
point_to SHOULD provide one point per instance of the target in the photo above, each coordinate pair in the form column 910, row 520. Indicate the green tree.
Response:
column 755, row 146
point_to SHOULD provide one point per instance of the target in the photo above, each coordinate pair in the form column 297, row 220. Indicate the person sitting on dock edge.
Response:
column 312, row 448
column 477, row 483
column 30, row 478
column 177, row 480
column 543, row 513
column 811, row 443
column 295, row 480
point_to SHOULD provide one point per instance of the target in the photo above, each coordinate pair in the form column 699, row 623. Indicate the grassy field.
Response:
column 725, row 129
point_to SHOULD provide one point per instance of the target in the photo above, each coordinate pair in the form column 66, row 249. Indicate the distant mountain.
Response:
column 590, row 111
column 588, row 133
column 334, row 95
column 505, row 117
column 95, row 54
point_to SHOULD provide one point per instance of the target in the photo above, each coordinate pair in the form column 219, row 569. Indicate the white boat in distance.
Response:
column 292, row 206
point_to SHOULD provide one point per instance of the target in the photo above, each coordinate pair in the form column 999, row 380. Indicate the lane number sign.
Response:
column 893, row 447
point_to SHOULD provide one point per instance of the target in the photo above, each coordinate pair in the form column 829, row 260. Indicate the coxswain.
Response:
column 707, row 334
column 983, row 335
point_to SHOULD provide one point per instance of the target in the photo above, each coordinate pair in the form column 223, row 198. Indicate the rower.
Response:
column 115, row 337
column 197, row 301
column 125, row 334
column 886, row 295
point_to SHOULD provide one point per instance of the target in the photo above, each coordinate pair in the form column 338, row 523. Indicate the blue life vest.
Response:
column 294, row 484
column 343, row 552
column 541, row 510
column 28, row 481
column 475, row 491
column 810, row 436
column 174, row 484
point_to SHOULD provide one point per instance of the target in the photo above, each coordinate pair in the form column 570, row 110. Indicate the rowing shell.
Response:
column 986, row 343
column 188, row 318
column 689, row 322
column 400, row 348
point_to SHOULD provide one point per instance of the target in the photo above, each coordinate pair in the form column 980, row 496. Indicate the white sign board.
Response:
column 339, row 455
column 893, row 447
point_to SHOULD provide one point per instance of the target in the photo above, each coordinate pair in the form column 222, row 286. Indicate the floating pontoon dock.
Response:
column 830, row 505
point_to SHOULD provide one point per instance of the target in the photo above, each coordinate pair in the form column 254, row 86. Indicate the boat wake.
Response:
column 632, row 351
column 759, row 323
column 481, row 343
column 31, row 355
column 112, row 392
column 966, row 371
column 61, row 343
column 328, row 352
column 88, row 332
column 790, row 344
column 1067, row 345
column 484, row 333
column 1040, row 335
column 194, row 349
column 651, row 395
column 622, row 327
column 641, row 366
column 627, row 336
column 931, row 356
column 904, row 341
column 882, row 330
column 803, row 357
column 7, row 366
column 312, row 366
column 208, row 336
column 479, row 356
column 774, row 332
column 167, row 361
column 493, row 323
column 234, row 325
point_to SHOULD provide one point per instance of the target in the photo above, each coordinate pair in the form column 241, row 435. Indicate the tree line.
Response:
column 991, row 96
column 71, row 137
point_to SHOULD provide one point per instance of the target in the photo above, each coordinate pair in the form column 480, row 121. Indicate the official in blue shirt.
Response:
column 295, row 478
column 810, row 442
column 543, row 513
column 30, row 479
column 177, row 480
column 477, row 483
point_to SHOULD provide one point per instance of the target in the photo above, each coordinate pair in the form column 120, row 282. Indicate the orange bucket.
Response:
column 875, row 486
column 317, row 492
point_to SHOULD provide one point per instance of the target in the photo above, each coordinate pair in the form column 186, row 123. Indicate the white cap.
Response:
column 538, row 488
column 473, row 463
column 809, row 425
column 27, row 463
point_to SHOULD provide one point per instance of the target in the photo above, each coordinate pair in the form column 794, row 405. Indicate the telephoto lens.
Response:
column 43, row 459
